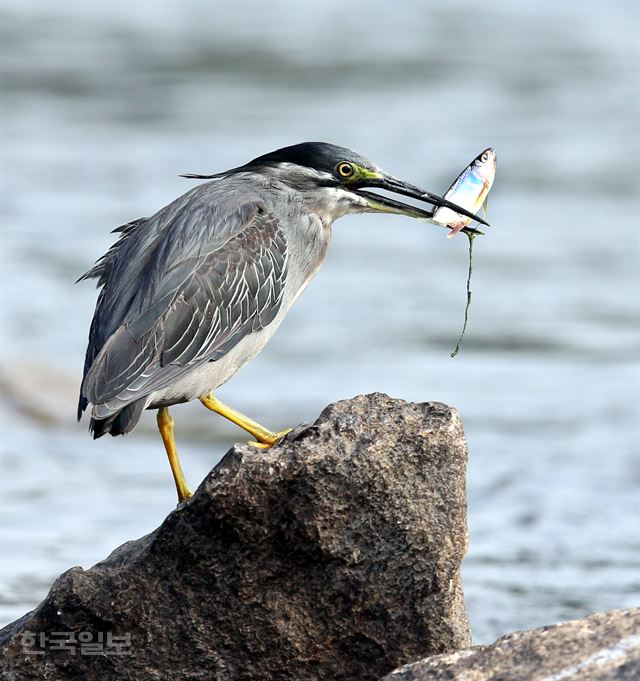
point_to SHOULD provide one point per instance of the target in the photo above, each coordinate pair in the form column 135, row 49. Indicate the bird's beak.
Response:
column 384, row 204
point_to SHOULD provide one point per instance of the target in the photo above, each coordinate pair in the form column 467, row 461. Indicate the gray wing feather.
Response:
column 204, row 287
column 104, row 265
column 101, row 271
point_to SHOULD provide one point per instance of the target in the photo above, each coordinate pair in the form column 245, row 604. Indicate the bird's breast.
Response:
column 307, row 247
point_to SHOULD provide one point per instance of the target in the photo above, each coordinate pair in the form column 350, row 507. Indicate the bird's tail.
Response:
column 120, row 423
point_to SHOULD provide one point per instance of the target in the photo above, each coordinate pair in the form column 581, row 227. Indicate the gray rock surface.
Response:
column 602, row 647
column 334, row 555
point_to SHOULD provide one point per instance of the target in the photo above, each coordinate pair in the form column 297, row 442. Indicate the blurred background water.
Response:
column 104, row 103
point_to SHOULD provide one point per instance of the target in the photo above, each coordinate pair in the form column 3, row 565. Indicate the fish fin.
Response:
column 485, row 208
column 455, row 228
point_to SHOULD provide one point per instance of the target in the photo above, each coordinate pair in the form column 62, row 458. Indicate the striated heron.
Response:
column 191, row 294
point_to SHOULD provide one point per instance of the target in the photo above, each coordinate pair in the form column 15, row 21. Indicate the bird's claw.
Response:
column 271, row 440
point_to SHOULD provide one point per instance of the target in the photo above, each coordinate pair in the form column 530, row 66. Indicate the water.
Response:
column 105, row 103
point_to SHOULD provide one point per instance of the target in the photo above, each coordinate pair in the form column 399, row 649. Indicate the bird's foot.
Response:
column 184, row 494
column 269, row 440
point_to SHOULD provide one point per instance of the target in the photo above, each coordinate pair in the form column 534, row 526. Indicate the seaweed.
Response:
column 471, row 236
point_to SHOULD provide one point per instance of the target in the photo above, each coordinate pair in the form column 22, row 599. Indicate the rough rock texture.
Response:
column 603, row 647
column 334, row 555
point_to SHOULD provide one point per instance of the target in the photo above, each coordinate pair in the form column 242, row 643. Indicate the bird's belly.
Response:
column 211, row 375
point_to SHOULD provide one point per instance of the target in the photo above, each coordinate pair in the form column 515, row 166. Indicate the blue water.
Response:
column 103, row 106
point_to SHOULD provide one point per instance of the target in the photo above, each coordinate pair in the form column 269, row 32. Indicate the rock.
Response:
column 333, row 555
column 601, row 647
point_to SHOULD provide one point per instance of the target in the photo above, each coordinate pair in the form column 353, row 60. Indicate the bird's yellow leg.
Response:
column 265, row 438
column 165, row 426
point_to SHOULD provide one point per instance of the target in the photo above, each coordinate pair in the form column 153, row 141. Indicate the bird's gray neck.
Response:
column 326, row 203
column 331, row 203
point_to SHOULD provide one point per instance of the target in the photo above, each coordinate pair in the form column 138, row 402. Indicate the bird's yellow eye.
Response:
column 345, row 169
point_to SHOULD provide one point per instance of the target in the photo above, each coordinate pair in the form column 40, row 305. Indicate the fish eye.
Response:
column 345, row 169
column 484, row 157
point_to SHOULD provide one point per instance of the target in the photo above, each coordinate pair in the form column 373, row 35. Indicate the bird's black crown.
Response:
column 320, row 156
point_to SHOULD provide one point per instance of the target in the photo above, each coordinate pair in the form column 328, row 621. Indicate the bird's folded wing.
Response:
column 195, row 312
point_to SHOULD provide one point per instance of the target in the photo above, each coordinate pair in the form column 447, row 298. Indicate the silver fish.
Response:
column 469, row 191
